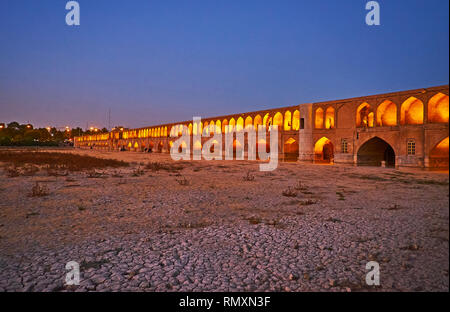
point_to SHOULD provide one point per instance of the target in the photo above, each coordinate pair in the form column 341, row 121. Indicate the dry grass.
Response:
column 157, row 166
column 289, row 192
column 68, row 161
column 39, row 190
column 248, row 177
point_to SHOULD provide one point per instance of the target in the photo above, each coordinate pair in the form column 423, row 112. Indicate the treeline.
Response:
column 15, row 134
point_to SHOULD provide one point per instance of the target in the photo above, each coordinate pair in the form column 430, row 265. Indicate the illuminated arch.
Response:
column 364, row 116
column 231, row 125
column 225, row 126
column 257, row 121
column 291, row 149
column 240, row 124
column 190, row 128
column 438, row 108
column 218, row 127
column 194, row 129
column 212, row 126
column 387, row 114
column 267, row 120
column 318, row 119
column 329, row 118
column 296, row 120
column 197, row 145
column 323, row 150
column 411, row 112
column 165, row 131
column 287, row 120
column 248, row 122
column 278, row 120
column 439, row 155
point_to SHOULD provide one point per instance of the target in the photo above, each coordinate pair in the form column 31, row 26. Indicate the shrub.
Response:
column 39, row 191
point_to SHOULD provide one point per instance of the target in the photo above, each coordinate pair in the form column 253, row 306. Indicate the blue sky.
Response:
column 154, row 62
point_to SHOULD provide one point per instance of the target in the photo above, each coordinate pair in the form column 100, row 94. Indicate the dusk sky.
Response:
column 154, row 62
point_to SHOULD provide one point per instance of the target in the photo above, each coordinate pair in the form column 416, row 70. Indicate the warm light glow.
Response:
column 441, row 148
column 231, row 125
column 225, row 126
column 318, row 148
column 218, row 127
column 296, row 120
column 438, row 108
column 257, row 122
column 411, row 112
column 387, row 114
column 248, row 122
column 197, row 145
column 278, row 120
column 240, row 124
column 290, row 141
column 329, row 118
column 364, row 116
column 287, row 120
column 319, row 118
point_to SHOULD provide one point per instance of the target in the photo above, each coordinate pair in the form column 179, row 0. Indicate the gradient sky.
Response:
column 155, row 61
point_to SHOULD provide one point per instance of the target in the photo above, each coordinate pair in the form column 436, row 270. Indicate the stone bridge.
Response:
column 400, row 129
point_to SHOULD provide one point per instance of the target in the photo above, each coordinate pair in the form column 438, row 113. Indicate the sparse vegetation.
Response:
column 289, row 192
column 157, row 166
column 248, row 177
column 183, row 181
column 39, row 190
column 137, row 172
column 66, row 161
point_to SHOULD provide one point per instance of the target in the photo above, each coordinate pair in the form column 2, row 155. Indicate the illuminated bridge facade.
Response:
column 401, row 129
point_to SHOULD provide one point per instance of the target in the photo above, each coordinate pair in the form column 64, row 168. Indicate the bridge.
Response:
column 399, row 129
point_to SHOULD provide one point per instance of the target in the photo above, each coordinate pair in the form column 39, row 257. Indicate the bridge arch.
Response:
column 374, row 151
column 323, row 151
column 438, row 108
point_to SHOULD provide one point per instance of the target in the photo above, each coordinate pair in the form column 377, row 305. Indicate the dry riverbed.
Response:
column 160, row 225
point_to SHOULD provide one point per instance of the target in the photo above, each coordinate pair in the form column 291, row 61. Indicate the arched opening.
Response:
column 182, row 146
column 411, row 112
column 165, row 131
column 287, row 121
column 329, row 118
column 212, row 127
column 213, row 143
column 231, row 125
column 262, row 145
column 278, row 120
column 323, row 151
column 318, row 119
column 439, row 155
column 160, row 146
column 248, row 122
column 225, row 126
column 240, row 124
column 150, row 146
column 136, row 146
column 387, row 114
column 190, row 129
column 205, row 128
column 236, row 145
column 197, row 145
column 267, row 120
column 364, row 116
column 218, row 127
column 291, row 150
column 438, row 108
column 296, row 120
column 257, row 122
column 374, row 152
